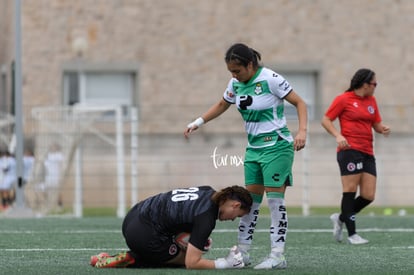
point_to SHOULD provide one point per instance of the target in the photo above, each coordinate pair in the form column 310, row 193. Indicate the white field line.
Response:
column 97, row 250
column 381, row 230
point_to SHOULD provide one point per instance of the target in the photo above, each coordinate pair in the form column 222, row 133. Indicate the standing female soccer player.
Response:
column 358, row 114
column 258, row 93
column 151, row 228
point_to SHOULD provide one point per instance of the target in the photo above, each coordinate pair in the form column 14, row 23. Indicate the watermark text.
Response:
column 222, row 160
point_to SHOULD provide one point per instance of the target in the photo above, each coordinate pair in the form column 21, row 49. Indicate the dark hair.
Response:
column 234, row 192
column 360, row 77
column 242, row 55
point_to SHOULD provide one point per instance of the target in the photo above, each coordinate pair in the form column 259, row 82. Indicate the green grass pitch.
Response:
column 64, row 245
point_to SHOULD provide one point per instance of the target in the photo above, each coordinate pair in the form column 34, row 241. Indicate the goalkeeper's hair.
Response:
column 234, row 192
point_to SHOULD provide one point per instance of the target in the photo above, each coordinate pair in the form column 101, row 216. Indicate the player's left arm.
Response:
column 377, row 125
column 381, row 128
column 300, row 138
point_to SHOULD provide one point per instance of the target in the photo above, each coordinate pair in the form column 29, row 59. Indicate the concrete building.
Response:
column 166, row 58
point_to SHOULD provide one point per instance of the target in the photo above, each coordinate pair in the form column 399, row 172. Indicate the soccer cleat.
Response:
column 96, row 258
column 356, row 239
column 246, row 258
column 243, row 249
column 245, row 255
column 122, row 259
column 337, row 227
column 273, row 262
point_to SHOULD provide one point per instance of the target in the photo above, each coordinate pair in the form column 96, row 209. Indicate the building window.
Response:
column 92, row 86
column 305, row 81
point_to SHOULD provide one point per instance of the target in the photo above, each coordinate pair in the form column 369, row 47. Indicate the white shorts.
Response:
column 6, row 184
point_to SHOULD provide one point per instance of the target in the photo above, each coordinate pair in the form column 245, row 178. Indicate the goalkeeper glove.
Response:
column 233, row 260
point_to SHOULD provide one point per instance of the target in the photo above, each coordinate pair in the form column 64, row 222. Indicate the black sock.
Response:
column 360, row 203
column 10, row 201
column 348, row 214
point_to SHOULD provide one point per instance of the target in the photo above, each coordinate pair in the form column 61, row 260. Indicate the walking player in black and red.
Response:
column 358, row 114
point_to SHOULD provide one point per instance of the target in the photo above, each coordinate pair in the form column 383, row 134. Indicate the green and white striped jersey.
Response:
column 260, row 103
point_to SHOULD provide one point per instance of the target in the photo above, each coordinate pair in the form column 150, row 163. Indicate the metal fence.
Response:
column 212, row 156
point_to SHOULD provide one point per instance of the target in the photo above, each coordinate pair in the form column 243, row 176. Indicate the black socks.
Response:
column 360, row 203
column 349, row 207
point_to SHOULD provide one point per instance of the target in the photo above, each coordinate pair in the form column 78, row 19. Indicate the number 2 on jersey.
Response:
column 184, row 194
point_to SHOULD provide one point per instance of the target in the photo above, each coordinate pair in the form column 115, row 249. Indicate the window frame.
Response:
column 314, row 70
column 83, row 68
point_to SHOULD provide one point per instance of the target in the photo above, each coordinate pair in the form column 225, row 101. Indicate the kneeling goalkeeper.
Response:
column 151, row 228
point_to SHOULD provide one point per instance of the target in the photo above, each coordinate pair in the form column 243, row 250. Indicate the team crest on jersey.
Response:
column 230, row 94
column 351, row 167
column 173, row 249
column 371, row 110
column 258, row 90
column 355, row 104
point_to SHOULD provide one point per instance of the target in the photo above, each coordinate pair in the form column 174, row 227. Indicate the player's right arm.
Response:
column 194, row 259
column 331, row 129
column 214, row 111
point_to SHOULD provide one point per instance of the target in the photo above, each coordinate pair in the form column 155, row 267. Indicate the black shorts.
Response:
column 354, row 162
column 148, row 246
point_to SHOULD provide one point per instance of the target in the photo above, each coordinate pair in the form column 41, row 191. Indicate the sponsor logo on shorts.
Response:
column 276, row 177
column 173, row 249
column 351, row 167
column 268, row 138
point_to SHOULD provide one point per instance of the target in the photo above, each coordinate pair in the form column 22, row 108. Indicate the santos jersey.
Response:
column 260, row 103
column 182, row 210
